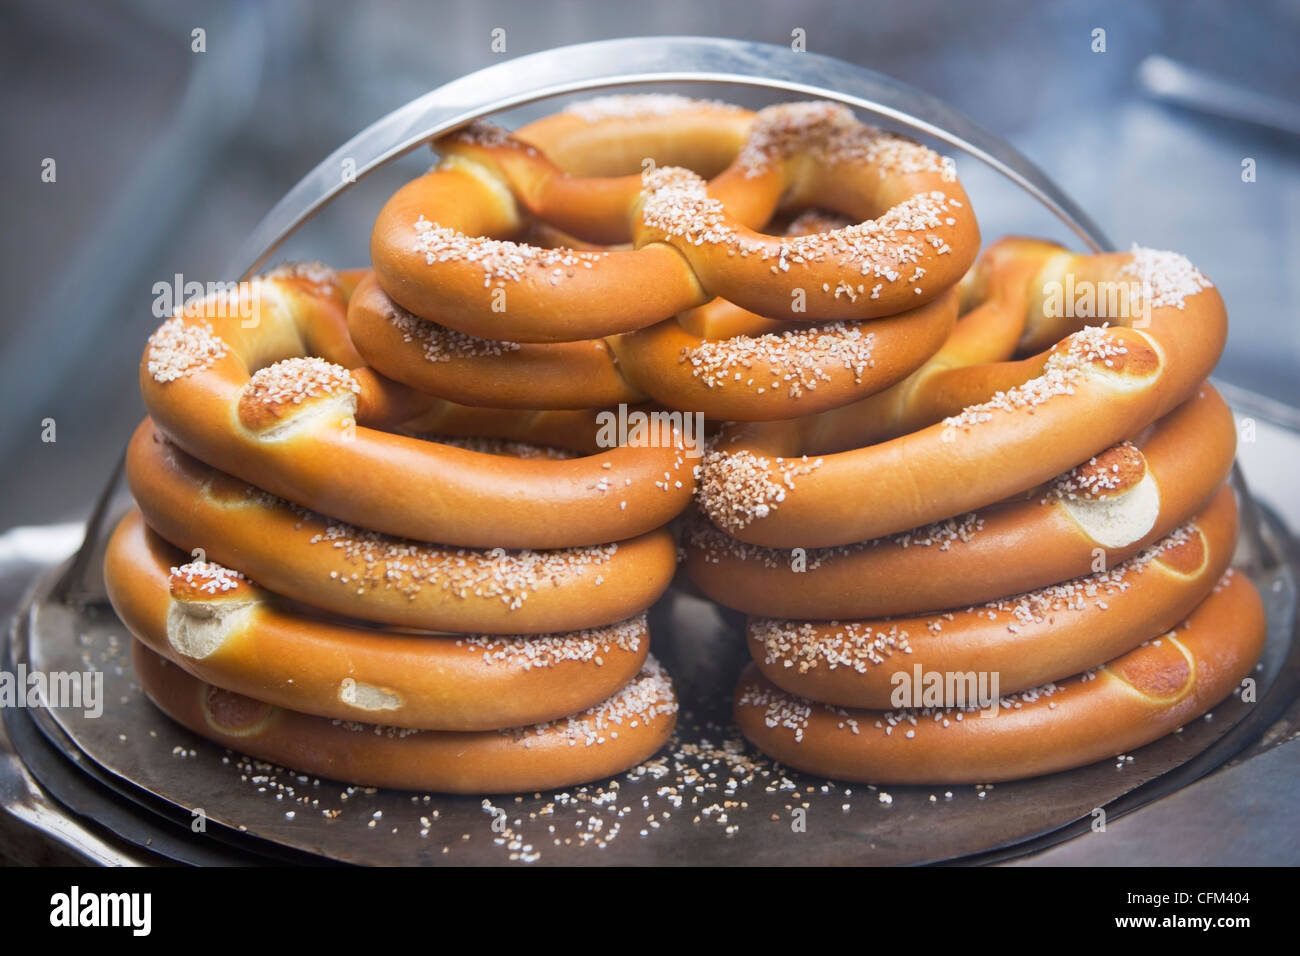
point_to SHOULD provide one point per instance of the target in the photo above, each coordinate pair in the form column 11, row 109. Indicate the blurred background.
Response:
column 165, row 156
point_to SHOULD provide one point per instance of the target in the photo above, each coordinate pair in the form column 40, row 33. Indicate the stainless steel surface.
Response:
column 1223, row 810
column 23, row 800
column 24, row 804
column 638, row 61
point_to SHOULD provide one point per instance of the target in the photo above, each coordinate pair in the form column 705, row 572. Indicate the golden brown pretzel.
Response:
column 223, row 629
column 719, row 360
column 1027, row 639
column 473, row 371
column 1012, row 424
column 443, row 246
column 1089, row 517
column 1129, row 702
column 774, row 370
column 273, row 401
column 616, row 734
column 362, row 574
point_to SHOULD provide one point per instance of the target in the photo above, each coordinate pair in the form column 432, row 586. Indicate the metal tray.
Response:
column 707, row 799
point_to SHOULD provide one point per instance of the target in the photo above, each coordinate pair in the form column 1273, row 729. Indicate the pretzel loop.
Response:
column 284, row 402
column 719, row 359
column 446, row 248
column 1010, row 425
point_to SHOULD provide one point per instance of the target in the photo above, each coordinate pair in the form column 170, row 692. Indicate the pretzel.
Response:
column 719, row 360
column 347, row 570
column 1125, row 704
column 272, row 400
column 1027, row 639
column 474, row 371
column 776, row 370
column 223, row 629
column 443, row 246
column 618, row 733
column 1011, row 425
column 1106, row 510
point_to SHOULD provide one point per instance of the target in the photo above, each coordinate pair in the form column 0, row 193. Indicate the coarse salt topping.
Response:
column 316, row 273
column 1100, row 475
column 795, row 361
column 676, row 202
column 178, row 349
column 832, row 135
column 737, row 488
column 377, row 562
column 527, row 651
column 779, row 708
column 441, row 344
column 941, row 534
column 1064, row 370
column 295, row 380
column 379, row 730
column 500, row 259
column 1167, row 278
column 713, row 545
column 645, row 698
column 908, row 718
column 804, row 645
column 1096, row 590
column 505, row 447
column 794, row 713
column 207, row 577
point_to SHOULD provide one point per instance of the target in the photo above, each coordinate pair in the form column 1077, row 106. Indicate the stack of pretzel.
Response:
column 1013, row 562
column 454, row 549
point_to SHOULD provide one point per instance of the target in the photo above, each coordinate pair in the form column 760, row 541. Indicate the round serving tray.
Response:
column 706, row 799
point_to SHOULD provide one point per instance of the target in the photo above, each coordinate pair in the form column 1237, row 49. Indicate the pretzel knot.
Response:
column 1127, row 702
column 286, row 403
column 719, row 359
column 974, row 425
column 450, row 246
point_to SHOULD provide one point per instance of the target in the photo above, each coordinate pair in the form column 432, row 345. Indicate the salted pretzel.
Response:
column 444, row 246
column 620, row 732
column 1026, row 639
column 780, row 369
column 719, row 360
column 1127, row 703
column 1010, row 425
column 1092, row 517
column 270, row 389
column 332, row 565
column 473, row 371
column 224, row 629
